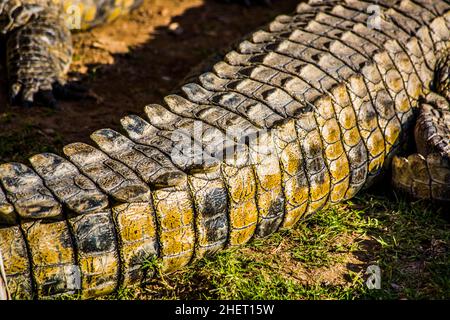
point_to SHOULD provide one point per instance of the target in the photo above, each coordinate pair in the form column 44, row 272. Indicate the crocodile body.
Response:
column 301, row 115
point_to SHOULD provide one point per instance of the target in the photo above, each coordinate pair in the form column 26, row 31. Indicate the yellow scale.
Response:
column 296, row 189
column 13, row 248
column 335, row 155
column 348, row 125
column 175, row 214
column 243, row 210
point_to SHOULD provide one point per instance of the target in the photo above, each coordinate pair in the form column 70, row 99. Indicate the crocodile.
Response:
column 302, row 114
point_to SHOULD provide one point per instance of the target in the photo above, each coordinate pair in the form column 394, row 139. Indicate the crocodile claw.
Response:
column 27, row 97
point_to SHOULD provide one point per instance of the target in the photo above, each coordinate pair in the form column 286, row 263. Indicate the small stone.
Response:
column 175, row 28
column 49, row 131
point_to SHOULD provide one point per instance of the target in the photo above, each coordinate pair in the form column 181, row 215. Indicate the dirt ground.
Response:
column 127, row 64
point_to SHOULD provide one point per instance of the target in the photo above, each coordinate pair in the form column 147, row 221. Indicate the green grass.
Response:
column 326, row 257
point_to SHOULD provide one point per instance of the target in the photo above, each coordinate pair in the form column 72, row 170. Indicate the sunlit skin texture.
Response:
column 332, row 99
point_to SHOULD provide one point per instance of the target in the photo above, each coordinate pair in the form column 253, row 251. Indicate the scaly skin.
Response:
column 307, row 111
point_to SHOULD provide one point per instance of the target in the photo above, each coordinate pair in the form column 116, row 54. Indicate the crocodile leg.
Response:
column 300, row 116
column 426, row 174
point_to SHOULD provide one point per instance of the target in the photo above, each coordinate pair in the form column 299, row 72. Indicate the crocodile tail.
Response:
column 426, row 174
